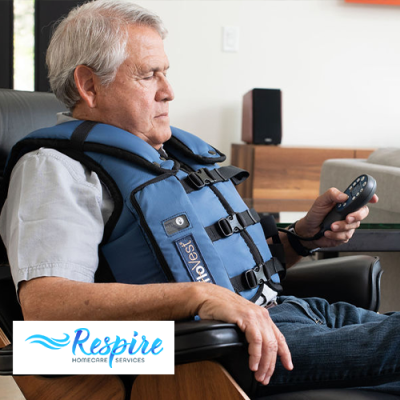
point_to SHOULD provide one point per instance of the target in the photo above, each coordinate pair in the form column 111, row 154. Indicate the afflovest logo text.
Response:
column 193, row 259
column 93, row 347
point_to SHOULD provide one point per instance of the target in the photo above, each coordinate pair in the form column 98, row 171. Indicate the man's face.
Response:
column 138, row 99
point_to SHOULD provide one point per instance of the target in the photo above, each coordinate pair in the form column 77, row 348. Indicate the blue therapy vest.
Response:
column 177, row 219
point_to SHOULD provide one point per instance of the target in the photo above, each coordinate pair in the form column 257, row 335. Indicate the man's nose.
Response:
column 165, row 92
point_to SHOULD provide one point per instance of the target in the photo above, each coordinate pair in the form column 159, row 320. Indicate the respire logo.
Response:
column 50, row 343
column 91, row 347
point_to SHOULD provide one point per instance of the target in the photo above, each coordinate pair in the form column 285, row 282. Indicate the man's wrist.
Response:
column 302, row 230
column 302, row 248
column 301, row 227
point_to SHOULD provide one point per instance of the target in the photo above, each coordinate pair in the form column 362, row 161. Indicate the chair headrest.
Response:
column 23, row 112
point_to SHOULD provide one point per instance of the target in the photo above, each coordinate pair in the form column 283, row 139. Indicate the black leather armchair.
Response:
column 354, row 279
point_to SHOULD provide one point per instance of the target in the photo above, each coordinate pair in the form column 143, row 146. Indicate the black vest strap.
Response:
column 204, row 176
column 232, row 224
column 80, row 134
column 258, row 275
column 271, row 231
column 237, row 175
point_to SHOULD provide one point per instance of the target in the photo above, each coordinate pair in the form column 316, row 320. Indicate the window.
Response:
column 24, row 44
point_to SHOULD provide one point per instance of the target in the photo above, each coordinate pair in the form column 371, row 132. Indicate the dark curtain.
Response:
column 6, row 44
column 47, row 12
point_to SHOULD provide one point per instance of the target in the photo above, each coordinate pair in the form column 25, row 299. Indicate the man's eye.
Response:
column 154, row 75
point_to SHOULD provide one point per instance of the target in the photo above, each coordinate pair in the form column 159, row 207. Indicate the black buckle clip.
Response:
column 255, row 276
column 230, row 225
column 200, row 178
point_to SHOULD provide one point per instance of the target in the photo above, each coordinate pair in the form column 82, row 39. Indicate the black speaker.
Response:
column 262, row 116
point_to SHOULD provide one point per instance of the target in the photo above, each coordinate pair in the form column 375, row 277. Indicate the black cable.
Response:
column 306, row 239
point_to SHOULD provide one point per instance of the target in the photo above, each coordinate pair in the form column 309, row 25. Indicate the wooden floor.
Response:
column 9, row 390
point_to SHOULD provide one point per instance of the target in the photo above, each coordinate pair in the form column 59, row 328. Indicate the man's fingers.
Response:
column 343, row 226
column 268, row 361
column 266, row 342
column 330, row 197
column 374, row 199
column 254, row 339
column 283, row 350
column 359, row 215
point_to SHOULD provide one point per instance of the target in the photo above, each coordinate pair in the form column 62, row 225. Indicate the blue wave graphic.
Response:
column 50, row 343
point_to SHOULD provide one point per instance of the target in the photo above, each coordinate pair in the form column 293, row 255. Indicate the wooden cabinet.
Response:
column 284, row 178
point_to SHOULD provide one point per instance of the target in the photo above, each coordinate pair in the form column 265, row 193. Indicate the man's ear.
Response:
column 85, row 80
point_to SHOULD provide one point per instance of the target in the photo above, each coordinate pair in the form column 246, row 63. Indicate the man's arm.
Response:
column 52, row 298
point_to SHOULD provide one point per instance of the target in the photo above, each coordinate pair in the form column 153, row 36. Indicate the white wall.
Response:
column 337, row 64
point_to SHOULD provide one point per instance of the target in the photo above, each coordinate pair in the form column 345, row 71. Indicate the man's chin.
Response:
column 167, row 137
column 162, row 136
column 166, row 132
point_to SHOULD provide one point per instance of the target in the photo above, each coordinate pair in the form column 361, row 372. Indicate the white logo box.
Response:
column 93, row 347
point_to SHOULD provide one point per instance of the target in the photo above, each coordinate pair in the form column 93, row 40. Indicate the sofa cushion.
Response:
column 389, row 156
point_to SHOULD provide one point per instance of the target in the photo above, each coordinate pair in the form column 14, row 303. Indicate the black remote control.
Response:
column 360, row 192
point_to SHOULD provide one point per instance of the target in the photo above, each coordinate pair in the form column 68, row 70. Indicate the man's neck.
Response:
column 80, row 112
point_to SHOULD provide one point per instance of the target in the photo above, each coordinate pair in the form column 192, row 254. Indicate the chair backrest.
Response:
column 9, row 307
column 23, row 112
column 20, row 113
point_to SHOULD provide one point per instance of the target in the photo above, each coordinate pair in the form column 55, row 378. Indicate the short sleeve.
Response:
column 52, row 222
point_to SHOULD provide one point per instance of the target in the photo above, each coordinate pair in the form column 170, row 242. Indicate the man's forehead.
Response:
column 144, row 38
column 146, row 50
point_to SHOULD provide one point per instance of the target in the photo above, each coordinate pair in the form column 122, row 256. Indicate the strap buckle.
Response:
column 230, row 225
column 262, row 273
column 200, row 178
column 255, row 276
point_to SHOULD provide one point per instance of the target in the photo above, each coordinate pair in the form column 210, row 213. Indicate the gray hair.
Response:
column 94, row 34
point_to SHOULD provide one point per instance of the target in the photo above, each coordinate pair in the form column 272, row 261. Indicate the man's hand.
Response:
column 341, row 231
column 265, row 340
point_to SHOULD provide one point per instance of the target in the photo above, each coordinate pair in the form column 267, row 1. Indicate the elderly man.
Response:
column 107, row 64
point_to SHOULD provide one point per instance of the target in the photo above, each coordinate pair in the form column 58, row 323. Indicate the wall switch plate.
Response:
column 230, row 39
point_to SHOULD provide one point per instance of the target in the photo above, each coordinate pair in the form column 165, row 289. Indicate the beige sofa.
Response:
column 384, row 166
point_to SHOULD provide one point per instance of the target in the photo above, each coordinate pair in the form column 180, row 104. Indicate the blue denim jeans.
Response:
column 336, row 345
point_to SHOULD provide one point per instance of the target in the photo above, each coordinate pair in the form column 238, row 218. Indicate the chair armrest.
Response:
column 206, row 340
column 353, row 279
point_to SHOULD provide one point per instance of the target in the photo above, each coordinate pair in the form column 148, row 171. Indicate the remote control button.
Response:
column 362, row 178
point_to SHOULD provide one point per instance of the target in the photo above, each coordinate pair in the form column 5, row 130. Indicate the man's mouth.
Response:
column 162, row 116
